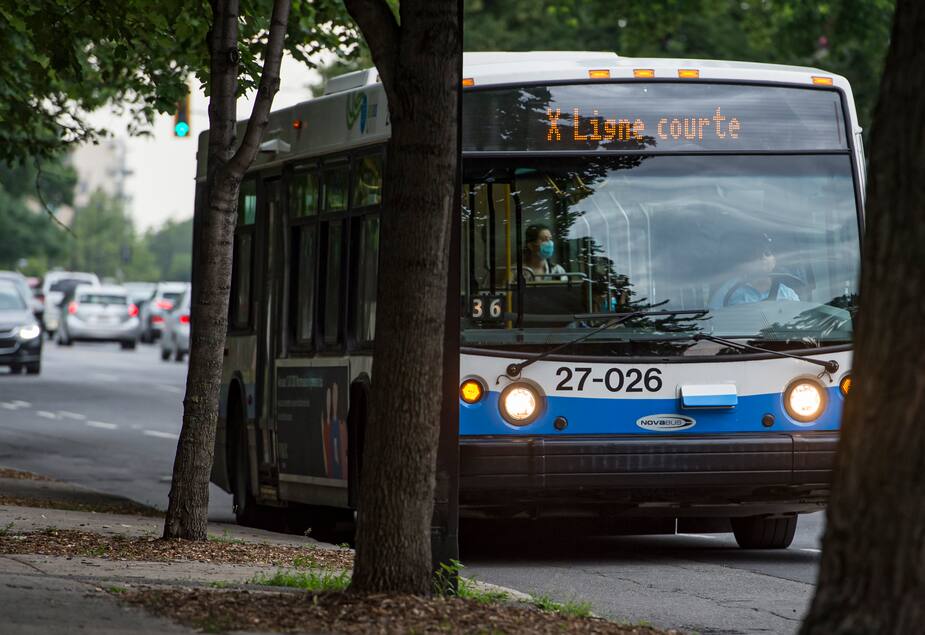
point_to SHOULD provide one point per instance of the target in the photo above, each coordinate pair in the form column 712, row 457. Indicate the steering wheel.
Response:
column 776, row 280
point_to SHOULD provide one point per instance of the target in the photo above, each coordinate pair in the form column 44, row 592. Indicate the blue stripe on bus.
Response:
column 618, row 416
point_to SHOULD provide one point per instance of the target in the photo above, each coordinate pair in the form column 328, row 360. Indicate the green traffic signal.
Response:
column 181, row 129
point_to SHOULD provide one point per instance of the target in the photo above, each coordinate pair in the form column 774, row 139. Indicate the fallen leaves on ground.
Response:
column 221, row 610
column 66, row 542
column 19, row 475
column 127, row 507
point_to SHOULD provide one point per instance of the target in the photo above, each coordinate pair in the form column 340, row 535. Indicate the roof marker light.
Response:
column 822, row 81
column 688, row 73
column 468, row 81
column 599, row 73
column 643, row 72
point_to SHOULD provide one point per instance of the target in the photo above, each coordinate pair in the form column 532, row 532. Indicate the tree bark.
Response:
column 187, row 511
column 872, row 575
column 418, row 63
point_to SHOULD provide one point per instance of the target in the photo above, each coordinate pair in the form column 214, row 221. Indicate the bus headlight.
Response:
column 805, row 400
column 519, row 404
column 30, row 332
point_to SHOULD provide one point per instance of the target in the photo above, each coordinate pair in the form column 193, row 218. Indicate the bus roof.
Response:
column 352, row 112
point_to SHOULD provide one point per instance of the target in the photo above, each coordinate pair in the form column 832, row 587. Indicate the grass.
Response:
column 116, row 589
column 6, row 528
column 311, row 580
column 225, row 538
column 221, row 584
column 304, row 562
column 569, row 607
column 468, row 590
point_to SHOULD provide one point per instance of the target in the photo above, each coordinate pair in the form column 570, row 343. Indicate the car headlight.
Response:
column 519, row 404
column 805, row 400
column 30, row 332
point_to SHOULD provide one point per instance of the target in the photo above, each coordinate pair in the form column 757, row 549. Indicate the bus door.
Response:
column 269, row 335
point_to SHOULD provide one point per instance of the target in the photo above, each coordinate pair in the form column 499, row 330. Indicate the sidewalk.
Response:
column 71, row 593
column 65, row 568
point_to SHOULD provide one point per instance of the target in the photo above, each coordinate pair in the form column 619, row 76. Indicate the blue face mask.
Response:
column 547, row 249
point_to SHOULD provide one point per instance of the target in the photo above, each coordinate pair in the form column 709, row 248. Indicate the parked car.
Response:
column 20, row 333
column 175, row 337
column 22, row 283
column 56, row 285
column 165, row 296
column 99, row 314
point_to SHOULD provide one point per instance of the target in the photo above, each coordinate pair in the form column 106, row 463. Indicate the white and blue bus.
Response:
column 659, row 266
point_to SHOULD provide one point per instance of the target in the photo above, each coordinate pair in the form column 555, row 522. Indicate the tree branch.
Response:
column 43, row 202
column 382, row 33
column 266, row 90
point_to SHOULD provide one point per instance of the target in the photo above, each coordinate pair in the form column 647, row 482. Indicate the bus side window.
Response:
column 304, row 283
column 332, row 233
column 365, row 196
column 243, row 257
column 367, row 246
column 304, row 197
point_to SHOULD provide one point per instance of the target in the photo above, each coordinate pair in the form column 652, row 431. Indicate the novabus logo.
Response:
column 665, row 423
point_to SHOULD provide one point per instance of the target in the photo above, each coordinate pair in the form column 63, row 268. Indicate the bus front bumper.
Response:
column 680, row 476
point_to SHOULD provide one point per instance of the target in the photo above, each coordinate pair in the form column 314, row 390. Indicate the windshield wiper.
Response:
column 831, row 366
column 513, row 370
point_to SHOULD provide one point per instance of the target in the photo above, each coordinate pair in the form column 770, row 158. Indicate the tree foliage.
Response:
column 848, row 37
column 25, row 230
column 65, row 58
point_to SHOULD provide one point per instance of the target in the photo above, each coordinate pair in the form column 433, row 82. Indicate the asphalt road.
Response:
column 109, row 419
column 100, row 417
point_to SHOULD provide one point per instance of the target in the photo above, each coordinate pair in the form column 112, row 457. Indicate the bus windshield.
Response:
column 767, row 244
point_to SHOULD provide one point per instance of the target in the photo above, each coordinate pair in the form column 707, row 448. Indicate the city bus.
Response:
column 658, row 277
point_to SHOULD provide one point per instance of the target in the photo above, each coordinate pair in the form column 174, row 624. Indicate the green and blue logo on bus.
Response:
column 357, row 108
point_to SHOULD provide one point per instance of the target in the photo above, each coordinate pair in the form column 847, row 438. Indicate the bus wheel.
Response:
column 758, row 532
column 245, row 506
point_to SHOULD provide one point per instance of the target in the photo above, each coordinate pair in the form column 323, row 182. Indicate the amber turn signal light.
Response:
column 471, row 391
column 845, row 385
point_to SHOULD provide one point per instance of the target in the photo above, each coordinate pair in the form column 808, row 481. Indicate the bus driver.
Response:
column 757, row 278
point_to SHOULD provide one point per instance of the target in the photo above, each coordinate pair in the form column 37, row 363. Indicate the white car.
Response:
column 99, row 314
column 154, row 311
column 175, row 336
column 56, row 285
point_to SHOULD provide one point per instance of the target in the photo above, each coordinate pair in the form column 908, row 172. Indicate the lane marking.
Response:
column 21, row 403
column 47, row 415
column 103, row 425
column 708, row 537
column 176, row 390
column 8, row 406
column 105, row 377
column 812, row 550
column 161, row 435
column 71, row 415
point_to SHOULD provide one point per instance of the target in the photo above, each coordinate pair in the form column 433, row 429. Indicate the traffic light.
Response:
column 181, row 118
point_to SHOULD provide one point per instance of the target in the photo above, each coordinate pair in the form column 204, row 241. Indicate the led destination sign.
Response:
column 596, row 128
column 629, row 117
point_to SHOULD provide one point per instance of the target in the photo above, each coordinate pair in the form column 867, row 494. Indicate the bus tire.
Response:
column 759, row 532
column 244, row 504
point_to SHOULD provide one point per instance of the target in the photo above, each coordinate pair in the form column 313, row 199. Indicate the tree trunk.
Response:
column 418, row 64
column 872, row 575
column 187, row 512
